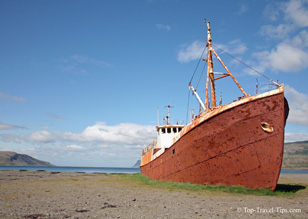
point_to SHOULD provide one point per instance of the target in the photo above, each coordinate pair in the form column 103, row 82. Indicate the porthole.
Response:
column 267, row 127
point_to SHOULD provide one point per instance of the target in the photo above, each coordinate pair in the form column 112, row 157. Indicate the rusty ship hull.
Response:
column 240, row 143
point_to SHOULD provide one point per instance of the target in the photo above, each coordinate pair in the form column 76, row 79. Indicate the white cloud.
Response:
column 291, row 15
column 300, row 40
column 291, row 53
column 99, row 141
column 163, row 27
column 194, row 50
column 235, row 47
column 271, row 13
column 120, row 134
column 276, row 32
column 11, row 98
column 296, row 11
column 99, row 134
column 191, row 52
column 292, row 137
column 298, row 103
column 288, row 58
column 284, row 57
column 5, row 126
column 73, row 147
column 40, row 137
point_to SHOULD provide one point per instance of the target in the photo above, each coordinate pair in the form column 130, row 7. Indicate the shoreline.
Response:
column 105, row 169
column 43, row 194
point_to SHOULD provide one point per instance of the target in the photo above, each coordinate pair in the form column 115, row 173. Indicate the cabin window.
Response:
column 175, row 130
column 180, row 129
column 169, row 130
column 163, row 130
column 173, row 151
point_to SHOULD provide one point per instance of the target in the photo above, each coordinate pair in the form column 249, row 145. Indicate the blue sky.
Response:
column 81, row 81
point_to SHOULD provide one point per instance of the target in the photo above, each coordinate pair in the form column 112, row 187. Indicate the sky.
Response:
column 82, row 82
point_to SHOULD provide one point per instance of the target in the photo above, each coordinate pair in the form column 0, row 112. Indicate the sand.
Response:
column 37, row 194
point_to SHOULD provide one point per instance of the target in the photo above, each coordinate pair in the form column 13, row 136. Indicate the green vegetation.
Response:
column 281, row 190
column 301, row 152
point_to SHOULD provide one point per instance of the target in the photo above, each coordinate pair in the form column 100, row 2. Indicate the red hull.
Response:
column 228, row 147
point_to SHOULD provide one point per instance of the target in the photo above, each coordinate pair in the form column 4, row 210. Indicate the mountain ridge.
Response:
column 295, row 155
column 137, row 164
column 10, row 158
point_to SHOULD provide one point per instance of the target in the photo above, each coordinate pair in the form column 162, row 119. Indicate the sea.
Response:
column 129, row 170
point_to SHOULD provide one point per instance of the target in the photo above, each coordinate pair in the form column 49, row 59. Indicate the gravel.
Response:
column 40, row 194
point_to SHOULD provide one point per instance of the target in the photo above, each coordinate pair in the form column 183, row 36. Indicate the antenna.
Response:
column 157, row 116
column 168, row 117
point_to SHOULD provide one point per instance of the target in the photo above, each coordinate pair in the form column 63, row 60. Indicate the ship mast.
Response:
column 210, row 74
column 210, row 71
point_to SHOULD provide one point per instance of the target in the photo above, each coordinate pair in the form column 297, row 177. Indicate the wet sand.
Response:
column 35, row 194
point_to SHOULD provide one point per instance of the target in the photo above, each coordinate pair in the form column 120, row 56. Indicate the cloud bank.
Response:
column 194, row 50
column 123, row 141
column 290, row 54
column 100, row 133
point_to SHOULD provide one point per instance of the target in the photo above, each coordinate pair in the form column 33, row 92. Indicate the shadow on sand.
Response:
column 289, row 188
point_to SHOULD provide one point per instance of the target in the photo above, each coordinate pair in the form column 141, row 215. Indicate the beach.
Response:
column 42, row 194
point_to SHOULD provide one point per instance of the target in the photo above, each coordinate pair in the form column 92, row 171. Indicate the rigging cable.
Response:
column 197, row 64
column 246, row 65
column 201, row 75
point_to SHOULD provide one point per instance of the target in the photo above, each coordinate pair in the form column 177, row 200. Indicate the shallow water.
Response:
column 102, row 169
column 73, row 169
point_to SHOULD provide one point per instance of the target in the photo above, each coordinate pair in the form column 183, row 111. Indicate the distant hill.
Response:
column 295, row 155
column 9, row 158
column 137, row 164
